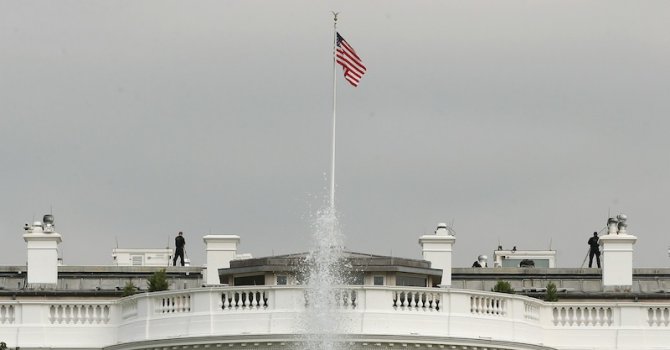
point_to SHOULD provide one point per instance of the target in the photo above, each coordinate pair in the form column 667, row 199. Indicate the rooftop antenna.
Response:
column 116, row 238
column 550, row 241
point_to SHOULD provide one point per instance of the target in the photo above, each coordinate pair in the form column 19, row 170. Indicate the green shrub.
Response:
column 158, row 281
column 129, row 289
column 3, row 345
column 552, row 292
column 503, row 287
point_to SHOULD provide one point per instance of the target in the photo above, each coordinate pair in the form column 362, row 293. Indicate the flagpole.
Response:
column 332, row 169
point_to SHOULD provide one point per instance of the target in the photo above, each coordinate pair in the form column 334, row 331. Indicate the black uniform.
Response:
column 179, row 242
column 594, row 250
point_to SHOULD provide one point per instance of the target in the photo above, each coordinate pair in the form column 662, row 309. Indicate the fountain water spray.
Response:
column 325, row 272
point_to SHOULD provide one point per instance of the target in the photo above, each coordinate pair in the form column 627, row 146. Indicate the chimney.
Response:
column 617, row 250
column 436, row 248
column 42, row 248
column 221, row 249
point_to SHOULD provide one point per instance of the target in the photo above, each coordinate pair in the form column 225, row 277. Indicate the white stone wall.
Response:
column 258, row 316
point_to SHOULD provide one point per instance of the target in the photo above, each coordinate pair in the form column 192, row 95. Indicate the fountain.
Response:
column 325, row 272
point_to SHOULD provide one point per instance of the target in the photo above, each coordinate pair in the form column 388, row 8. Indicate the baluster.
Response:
column 52, row 314
column 579, row 316
column 402, row 299
column 92, row 313
column 78, row 314
column 89, row 317
column 354, row 297
column 608, row 313
column 253, row 300
column 554, row 313
column 59, row 313
column 395, row 299
column 97, row 313
column 472, row 304
column 105, row 314
column 563, row 316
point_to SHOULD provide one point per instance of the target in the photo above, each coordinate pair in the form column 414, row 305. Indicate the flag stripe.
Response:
column 351, row 63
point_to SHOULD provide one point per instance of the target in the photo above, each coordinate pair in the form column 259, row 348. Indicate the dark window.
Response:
column 379, row 280
column 282, row 280
column 410, row 281
column 258, row 280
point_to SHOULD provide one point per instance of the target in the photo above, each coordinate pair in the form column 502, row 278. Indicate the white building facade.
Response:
column 620, row 313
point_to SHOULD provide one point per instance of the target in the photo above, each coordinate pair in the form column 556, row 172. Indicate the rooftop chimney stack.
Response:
column 221, row 249
column 437, row 248
column 617, row 248
column 42, row 248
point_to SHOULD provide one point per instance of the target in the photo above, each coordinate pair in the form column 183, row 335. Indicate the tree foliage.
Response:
column 552, row 292
column 158, row 281
column 129, row 289
column 503, row 287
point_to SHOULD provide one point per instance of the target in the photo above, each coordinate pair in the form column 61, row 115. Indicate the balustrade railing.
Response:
column 582, row 316
column 252, row 299
column 81, row 314
column 658, row 316
column 531, row 311
column 239, row 309
column 175, row 303
column 488, row 305
column 416, row 300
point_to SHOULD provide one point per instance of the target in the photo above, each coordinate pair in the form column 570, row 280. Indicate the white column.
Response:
column 42, row 248
column 436, row 248
column 617, row 257
column 221, row 249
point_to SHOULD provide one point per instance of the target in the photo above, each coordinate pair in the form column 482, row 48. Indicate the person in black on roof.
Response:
column 179, row 243
column 594, row 249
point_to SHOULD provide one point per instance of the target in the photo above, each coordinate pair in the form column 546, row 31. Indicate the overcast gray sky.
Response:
column 520, row 121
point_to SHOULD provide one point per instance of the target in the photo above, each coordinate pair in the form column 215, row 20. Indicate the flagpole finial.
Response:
column 335, row 15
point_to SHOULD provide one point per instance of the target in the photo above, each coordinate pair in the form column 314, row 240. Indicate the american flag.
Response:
column 346, row 57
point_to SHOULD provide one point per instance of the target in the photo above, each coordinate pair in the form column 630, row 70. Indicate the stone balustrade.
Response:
column 386, row 312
